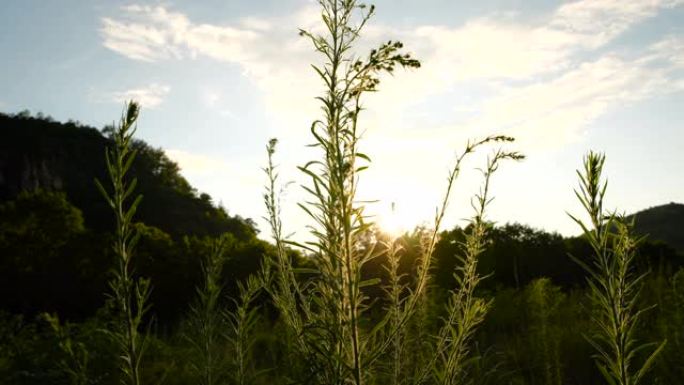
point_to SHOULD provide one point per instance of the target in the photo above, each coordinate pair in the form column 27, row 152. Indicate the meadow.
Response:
column 478, row 304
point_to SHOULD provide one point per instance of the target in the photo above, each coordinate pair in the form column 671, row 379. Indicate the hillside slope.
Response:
column 43, row 154
column 55, row 228
column 663, row 223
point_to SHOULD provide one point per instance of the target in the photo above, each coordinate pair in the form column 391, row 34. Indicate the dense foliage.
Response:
column 56, row 230
column 534, row 328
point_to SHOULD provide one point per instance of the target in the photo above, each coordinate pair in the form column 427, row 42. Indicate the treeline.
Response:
column 52, row 263
column 533, row 334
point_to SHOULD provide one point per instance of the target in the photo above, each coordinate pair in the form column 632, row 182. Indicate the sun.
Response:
column 391, row 219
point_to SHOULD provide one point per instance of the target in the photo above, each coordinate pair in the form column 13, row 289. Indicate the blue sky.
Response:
column 217, row 79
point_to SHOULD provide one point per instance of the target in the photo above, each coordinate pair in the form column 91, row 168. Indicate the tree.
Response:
column 37, row 231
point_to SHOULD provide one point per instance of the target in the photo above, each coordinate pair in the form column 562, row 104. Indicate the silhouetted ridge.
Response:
column 55, row 227
column 663, row 223
column 40, row 153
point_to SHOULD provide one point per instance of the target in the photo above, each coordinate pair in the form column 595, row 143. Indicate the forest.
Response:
column 114, row 269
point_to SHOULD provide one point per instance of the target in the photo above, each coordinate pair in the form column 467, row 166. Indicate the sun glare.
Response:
column 393, row 219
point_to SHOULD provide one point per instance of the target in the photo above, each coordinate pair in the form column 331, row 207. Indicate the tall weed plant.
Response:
column 614, row 286
column 207, row 326
column 129, row 294
column 324, row 312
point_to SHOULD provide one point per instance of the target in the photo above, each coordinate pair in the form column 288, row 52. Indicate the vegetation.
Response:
column 613, row 286
column 206, row 323
column 173, row 290
column 130, row 295
column 661, row 223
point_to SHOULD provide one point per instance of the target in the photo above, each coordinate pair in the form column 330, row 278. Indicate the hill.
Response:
column 38, row 153
column 55, row 228
column 663, row 223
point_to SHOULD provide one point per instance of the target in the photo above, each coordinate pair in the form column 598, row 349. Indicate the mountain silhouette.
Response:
column 663, row 223
column 38, row 153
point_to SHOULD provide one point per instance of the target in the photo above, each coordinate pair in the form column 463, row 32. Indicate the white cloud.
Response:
column 599, row 21
column 544, row 80
column 670, row 49
column 228, row 182
column 194, row 164
column 150, row 96
column 555, row 112
column 489, row 49
column 269, row 51
column 543, row 70
column 148, row 33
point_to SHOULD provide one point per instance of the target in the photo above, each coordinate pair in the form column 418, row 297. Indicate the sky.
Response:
column 218, row 79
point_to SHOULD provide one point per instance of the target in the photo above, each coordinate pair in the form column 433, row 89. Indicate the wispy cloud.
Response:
column 546, row 79
column 496, row 49
column 225, row 180
column 670, row 49
column 146, row 34
column 269, row 51
column 195, row 164
column 556, row 111
column 150, row 96
column 550, row 77
column 597, row 22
